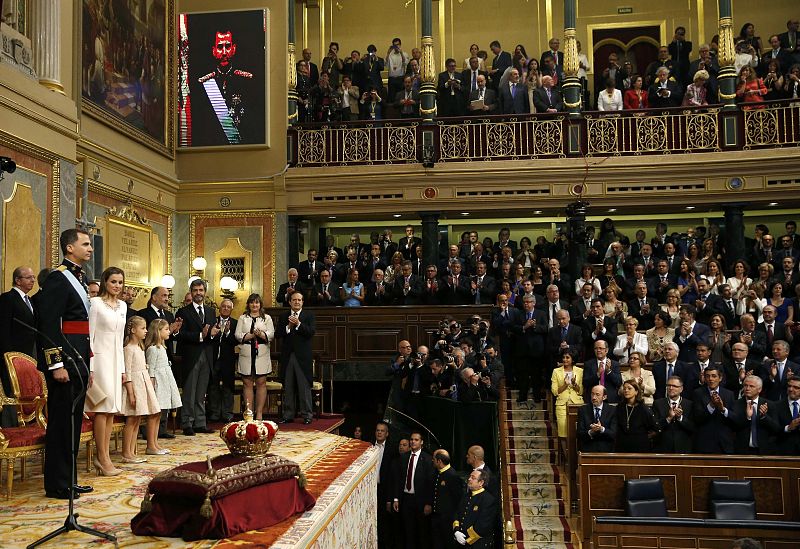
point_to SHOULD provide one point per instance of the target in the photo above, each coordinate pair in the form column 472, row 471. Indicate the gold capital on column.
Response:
column 428, row 69
column 727, row 53
column 571, row 64
column 291, row 68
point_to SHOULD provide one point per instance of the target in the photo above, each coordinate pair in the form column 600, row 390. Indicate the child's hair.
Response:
column 154, row 333
column 133, row 321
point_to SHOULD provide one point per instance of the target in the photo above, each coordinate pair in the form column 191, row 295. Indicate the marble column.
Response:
column 726, row 56
column 430, row 237
column 46, row 34
column 734, row 232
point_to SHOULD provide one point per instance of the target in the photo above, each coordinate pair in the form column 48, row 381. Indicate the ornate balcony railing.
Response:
column 489, row 138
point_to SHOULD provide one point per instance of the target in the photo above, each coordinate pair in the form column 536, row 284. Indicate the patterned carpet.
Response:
column 28, row 515
column 536, row 485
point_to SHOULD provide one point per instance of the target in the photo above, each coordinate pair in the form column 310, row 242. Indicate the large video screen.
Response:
column 222, row 78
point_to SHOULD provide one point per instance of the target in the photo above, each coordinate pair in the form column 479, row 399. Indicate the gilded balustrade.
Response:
column 488, row 138
column 512, row 138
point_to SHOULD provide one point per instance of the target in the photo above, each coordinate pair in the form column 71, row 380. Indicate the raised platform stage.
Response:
column 340, row 472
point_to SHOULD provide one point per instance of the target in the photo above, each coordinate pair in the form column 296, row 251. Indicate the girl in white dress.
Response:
column 158, row 364
column 139, row 398
column 106, row 330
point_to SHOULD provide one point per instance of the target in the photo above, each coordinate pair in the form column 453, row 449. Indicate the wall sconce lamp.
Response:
column 228, row 285
column 168, row 282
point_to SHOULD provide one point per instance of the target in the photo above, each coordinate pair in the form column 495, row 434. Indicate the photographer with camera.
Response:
column 372, row 103
column 373, row 65
column 332, row 65
column 399, row 371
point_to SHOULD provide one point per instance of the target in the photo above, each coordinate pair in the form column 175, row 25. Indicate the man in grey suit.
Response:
column 195, row 347
column 513, row 96
column 487, row 95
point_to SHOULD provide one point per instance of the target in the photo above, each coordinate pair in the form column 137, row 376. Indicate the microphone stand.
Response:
column 71, row 522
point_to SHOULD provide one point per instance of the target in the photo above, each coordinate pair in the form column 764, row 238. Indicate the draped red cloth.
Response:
column 257, row 507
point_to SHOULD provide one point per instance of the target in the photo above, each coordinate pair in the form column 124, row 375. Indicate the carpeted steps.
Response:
column 536, row 482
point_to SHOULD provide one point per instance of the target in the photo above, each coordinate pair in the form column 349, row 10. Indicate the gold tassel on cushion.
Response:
column 301, row 480
column 205, row 509
column 147, row 506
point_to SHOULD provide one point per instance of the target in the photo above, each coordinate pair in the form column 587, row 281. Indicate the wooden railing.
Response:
column 487, row 138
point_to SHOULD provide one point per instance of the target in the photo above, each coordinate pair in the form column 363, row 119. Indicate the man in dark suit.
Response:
column 469, row 76
column 777, row 371
column 501, row 61
column 504, row 318
column 16, row 310
column 713, row 415
column 773, row 331
column 485, row 94
column 197, row 352
column 663, row 280
column 476, row 516
column 643, row 308
column 387, row 452
column 223, row 371
column 158, row 307
column 755, row 340
column 731, row 307
column 447, row 491
column 450, row 95
column 552, row 305
column 756, row 420
column 638, row 276
column 602, row 370
column 408, row 244
column 413, row 493
column 308, row 271
column 374, row 261
column 597, row 423
column 547, row 98
column 679, row 50
column 325, row 292
column 777, row 53
column 738, row 366
column 558, row 56
column 664, row 92
column 673, row 415
column 530, row 331
column 689, row 334
column 296, row 327
column 598, row 326
column 790, row 40
column 313, row 70
column 379, row 292
column 667, row 367
column 513, row 96
column 63, row 344
column 407, row 287
column 483, row 286
column 562, row 336
column 406, row 101
column 789, row 420
column 708, row 304
column 582, row 304
column 456, row 286
column 289, row 287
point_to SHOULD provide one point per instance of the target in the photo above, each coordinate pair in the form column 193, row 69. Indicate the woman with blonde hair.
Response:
column 613, row 307
column 750, row 88
column 393, row 269
column 697, row 91
column 630, row 341
column 672, row 307
column 643, row 377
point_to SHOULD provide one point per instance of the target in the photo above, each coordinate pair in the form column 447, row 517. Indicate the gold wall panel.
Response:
column 22, row 240
column 234, row 249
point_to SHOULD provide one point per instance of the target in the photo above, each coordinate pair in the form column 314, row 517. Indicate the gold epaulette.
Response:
column 206, row 78
column 62, row 268
column 243, row 74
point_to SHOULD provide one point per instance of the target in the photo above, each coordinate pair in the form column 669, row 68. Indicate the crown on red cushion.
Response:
column 249, row 437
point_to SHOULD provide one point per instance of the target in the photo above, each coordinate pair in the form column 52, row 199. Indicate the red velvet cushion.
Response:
column 30, row 381
column 231, row 474
column 24, row 436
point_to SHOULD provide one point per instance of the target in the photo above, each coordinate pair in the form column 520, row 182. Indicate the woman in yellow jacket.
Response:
column 566, row 384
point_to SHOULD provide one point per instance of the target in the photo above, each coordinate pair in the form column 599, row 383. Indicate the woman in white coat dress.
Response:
column 255, row 331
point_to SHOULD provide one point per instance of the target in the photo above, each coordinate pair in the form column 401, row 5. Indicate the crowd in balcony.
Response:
column 676, row 315
column 352, row 88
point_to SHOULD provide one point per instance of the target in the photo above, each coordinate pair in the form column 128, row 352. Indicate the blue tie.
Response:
column 530, row 316
column 563, row 333
column 754, row 425
column 670, row 369
column 795, row 410
column 596, row 415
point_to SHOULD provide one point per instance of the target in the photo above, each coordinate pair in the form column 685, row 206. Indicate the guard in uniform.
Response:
column 226, row 112
column 448, row 488
column 474, row 523
column 63, row 317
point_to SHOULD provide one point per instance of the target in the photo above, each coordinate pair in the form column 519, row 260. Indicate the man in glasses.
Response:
column 673, row 414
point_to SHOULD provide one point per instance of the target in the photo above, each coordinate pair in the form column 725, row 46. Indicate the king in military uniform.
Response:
column 226, row 113
column 474, row 523
column 63, row 317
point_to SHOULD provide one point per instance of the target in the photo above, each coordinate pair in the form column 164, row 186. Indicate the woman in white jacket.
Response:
column 255, row 331
column 630, row 342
